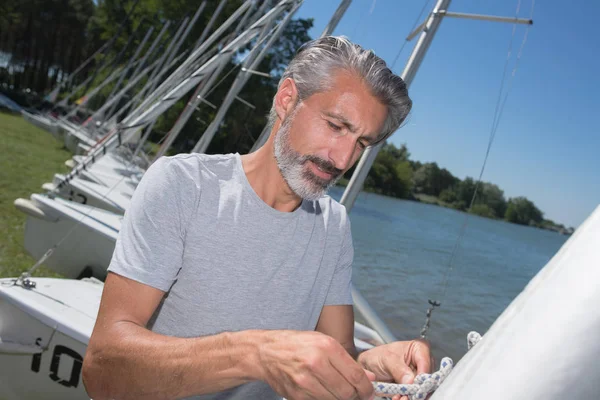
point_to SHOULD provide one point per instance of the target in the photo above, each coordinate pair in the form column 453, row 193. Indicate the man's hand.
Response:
column 311, row 365
column 398, row 362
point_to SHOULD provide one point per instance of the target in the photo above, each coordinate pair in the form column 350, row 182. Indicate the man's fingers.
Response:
column 421, row 357
column 401, row 373
column 370, row 375
column 311, row 386
column 353, row 373
column 336, row 384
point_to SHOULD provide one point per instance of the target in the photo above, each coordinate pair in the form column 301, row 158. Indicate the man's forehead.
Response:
column 350, row 101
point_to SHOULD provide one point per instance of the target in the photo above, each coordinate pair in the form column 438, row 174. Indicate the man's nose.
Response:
column 342, row 151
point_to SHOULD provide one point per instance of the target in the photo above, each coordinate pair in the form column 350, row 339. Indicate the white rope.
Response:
column 424, row 383
column 472, row 339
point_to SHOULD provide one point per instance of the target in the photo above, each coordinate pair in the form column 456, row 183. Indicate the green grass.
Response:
column 29, row 156
column 425, row 198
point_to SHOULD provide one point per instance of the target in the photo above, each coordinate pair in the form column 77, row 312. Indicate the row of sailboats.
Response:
column 45, row 323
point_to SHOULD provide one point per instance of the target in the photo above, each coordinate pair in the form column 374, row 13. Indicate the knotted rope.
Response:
column 424, row 383
column 472, row 339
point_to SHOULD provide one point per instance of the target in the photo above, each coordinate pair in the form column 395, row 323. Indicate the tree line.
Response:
column 41, row 40
column 395, row 174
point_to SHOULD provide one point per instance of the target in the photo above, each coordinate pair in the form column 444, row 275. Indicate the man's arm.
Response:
column 126, row 360
column 338, row 322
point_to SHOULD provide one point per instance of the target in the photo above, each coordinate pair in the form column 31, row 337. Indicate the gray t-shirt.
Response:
column 229, row 262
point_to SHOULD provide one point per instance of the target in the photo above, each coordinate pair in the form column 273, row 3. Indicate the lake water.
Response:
column 402, row 255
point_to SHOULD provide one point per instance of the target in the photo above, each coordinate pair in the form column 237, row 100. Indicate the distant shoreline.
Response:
column 433, row 200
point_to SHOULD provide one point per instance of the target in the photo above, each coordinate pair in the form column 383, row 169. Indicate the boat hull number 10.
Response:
column 61, row 354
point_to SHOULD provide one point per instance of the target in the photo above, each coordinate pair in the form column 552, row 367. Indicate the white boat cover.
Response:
column 85, row 236
column 44, row 332
column 69, row 305
column 544, row 345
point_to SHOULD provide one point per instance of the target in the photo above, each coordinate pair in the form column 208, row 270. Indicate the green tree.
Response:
column 522, row 211
column 391, row 173
column 465, row 190
column 449, row 196
column 43, row 39
column 492, row 196
column 432, row 180
column 483, row 210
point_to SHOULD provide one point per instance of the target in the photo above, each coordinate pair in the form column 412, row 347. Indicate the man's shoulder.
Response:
column 334, row 212
column 198, row 160
column 198, row 166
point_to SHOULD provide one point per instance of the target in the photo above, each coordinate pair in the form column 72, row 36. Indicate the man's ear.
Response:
column 286, row 98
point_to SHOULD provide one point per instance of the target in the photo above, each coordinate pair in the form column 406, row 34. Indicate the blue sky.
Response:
column 547, row 146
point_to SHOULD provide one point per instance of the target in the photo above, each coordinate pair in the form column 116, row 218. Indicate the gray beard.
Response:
column 292, row 165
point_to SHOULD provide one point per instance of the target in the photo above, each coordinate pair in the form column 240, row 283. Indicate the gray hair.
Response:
column 317, row 60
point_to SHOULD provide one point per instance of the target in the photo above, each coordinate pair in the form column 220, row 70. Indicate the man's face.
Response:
column 326, row 134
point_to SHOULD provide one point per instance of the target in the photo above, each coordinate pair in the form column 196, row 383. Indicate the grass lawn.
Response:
column 425, row 198
column 29, row 156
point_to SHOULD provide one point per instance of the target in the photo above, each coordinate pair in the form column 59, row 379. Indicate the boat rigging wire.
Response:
column 362, row 23
column 500, row 103
column 409, row 32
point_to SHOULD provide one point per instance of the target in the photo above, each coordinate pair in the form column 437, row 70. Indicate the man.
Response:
column 231, row 275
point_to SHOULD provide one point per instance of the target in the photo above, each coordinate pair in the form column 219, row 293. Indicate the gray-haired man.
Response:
column 231, row 275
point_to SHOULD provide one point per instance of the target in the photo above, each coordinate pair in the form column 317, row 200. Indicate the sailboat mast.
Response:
column 251, row 63
column 210, row 24
column 412, row 66
column 138, row 70
column 335, row 19
column 132, row 59
column 202, row 89
column 187, row 64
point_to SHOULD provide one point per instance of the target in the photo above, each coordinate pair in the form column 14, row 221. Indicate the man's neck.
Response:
column 265, row 178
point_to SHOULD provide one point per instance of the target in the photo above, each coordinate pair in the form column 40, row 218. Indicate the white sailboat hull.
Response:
column 95, row 195
column 544, row 345
column 87, row 236
column 44, row 334
column 73, row 137
column 108, row 184
column 43, row 122
column 111, row 172
column 112, row 163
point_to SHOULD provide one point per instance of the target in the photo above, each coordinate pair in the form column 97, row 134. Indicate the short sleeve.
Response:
column 340, row 291
column 149, row 248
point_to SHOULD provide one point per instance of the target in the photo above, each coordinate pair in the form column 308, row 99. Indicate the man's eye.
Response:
column 334, row 126
column 362, row 145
